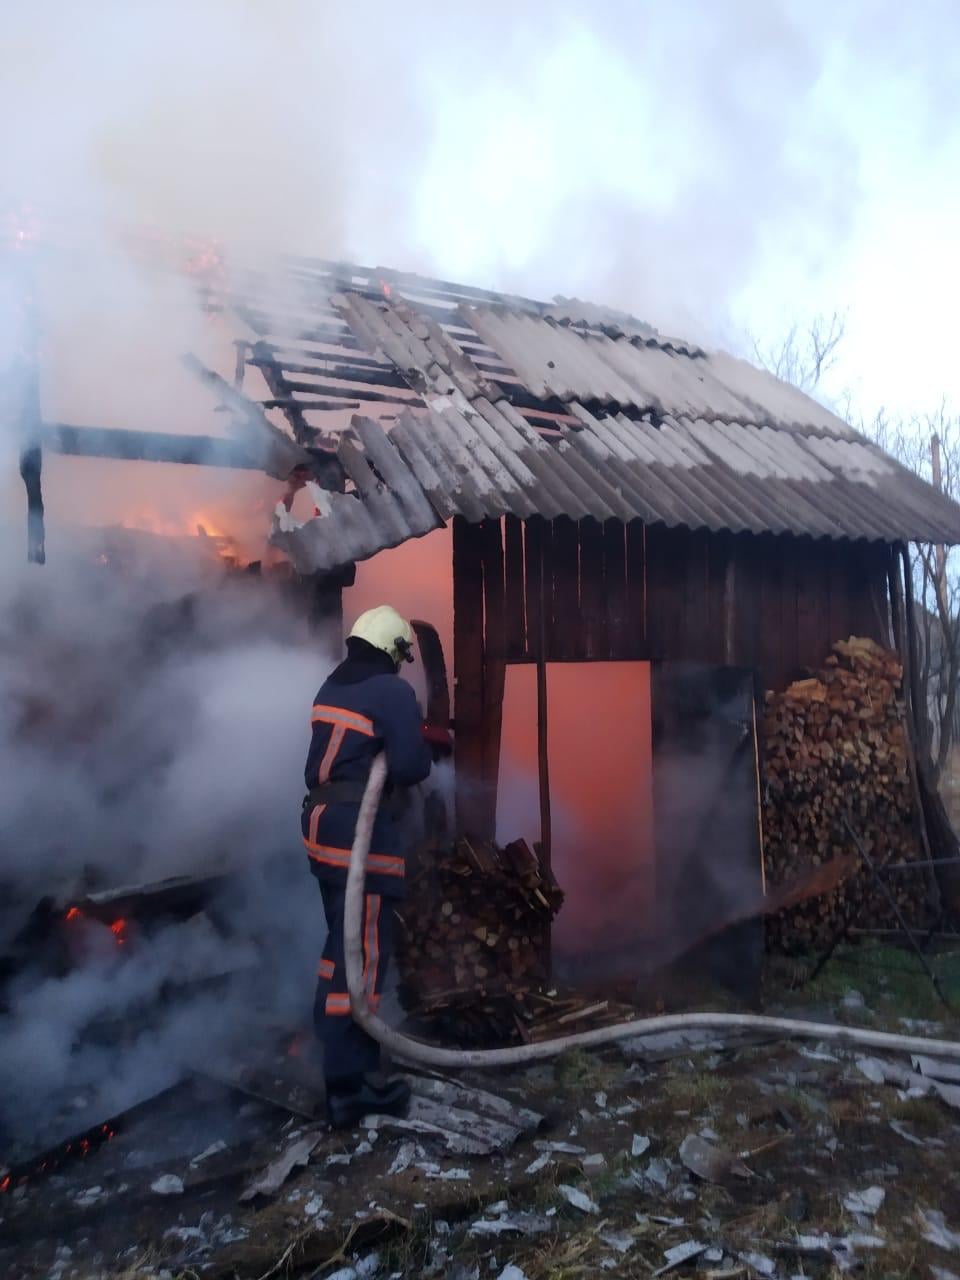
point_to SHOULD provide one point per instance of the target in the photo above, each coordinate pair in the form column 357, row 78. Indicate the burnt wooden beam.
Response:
column 275, row 379
column 303, row 406
column 250, row 421
column 298, row 359
column 351, row 393
column 31, row 464
column 372, row 374
column 150, row 446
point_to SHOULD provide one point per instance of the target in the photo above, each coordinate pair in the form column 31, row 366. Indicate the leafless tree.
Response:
column 805, row 354
column 929, row 445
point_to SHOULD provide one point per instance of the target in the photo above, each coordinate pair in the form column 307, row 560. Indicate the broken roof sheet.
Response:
column 485, row 460
column 503, row 405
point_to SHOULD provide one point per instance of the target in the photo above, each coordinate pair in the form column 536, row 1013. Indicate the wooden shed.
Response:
column 616, row 496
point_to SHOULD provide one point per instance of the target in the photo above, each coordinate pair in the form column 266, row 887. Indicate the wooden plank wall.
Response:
column 620, row 593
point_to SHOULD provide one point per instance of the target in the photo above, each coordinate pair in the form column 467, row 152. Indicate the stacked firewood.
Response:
column 473, row 938
column 835, row 757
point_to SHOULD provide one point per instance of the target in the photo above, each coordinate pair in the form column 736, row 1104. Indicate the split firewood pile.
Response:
column 835, row 752
column 473, row 943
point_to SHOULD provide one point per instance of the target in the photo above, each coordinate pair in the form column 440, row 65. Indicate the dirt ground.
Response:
column 601, row 1188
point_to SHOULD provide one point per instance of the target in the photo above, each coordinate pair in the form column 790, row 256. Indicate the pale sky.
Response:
column 719, row 167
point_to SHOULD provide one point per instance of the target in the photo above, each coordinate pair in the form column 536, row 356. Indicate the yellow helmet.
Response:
column 384, row 629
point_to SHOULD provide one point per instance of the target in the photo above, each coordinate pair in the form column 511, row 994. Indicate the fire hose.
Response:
column 429, row 1055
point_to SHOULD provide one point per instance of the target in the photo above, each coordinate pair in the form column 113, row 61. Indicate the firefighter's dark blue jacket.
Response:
column 363, row 708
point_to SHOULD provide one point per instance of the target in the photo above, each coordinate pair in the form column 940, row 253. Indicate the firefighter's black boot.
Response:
column 348, row 1101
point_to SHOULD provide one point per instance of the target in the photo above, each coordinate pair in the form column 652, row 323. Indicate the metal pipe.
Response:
column 417, row 1051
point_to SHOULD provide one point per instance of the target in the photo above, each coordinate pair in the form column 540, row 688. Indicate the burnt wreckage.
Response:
column 615, row 496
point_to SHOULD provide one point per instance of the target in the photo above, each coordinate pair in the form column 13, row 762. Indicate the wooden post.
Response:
column 543, row 758
column 468, row 671
column 729, row 603
column 31, row 465
column 25, row 378
column 494, row 669
column 516, row 626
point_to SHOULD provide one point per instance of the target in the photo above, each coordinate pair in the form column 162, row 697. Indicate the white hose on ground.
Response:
column 429, row 1055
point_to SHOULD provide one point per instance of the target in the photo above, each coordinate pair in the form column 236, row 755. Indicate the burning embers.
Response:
column 77, row 1148
column 119, row 928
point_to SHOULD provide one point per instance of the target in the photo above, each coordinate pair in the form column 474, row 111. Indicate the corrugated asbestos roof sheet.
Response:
column 661, row 375
column 485, row 460
column 529, row 409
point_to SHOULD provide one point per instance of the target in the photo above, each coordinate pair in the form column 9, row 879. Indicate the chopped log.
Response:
column 473, row 942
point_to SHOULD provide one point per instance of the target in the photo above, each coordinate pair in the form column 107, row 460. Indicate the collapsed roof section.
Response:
column 492, row 405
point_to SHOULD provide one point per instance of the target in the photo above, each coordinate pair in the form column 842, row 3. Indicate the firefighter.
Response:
column 363, row 708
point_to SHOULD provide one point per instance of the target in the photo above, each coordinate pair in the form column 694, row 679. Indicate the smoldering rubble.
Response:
column 148, row 730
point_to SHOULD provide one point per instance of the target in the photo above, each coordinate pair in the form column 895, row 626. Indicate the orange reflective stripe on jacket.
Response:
column 345, row 719
column 325, row 969
column 339, row 721
column 380, row 864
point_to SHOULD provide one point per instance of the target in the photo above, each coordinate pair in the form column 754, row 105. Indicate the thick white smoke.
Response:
column 152, row 726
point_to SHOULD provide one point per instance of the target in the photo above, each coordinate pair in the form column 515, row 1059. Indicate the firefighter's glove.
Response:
column 439, row 741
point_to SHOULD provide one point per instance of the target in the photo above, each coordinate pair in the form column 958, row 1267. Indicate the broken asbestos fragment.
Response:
column 711, row 1163
column 578, row 1199
column 297, row 1153
column 679, row 1254
column 867, row 1202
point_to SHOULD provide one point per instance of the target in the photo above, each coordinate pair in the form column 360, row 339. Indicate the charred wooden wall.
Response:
column 620, row 592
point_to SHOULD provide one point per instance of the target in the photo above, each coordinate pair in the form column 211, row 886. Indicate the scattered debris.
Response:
column 818, row 1054
column 168, row 1184
column 470, row 1121
column 560, row 1148
column 901, row 1129
column 407, row 1154
column 712, row 1164
column 657, row 1172
column 915, row 1083
column 639, row 1146
column 506, row 1223
column 362, row 1270
column 759, row 1262
column 296, row 1154
column 935, row 1229
column 867, row 1202
column 873, row 1069
column 510, row 1272
column 937, row 1069
column 621, row 1241
column 680, row 1254
column 541, row 1162
column 213, row 1150
column 596, row 1161
column 578, row 1199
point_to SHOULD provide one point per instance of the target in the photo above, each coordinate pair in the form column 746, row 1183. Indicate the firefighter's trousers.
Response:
column 348, row 1052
